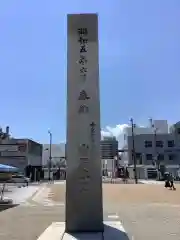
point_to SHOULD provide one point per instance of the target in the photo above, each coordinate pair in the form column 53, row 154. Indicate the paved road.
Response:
column 144, row 220
column 148, row 221
column 141, row 221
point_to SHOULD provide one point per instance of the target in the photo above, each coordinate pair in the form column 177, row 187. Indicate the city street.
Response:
column 145, row 211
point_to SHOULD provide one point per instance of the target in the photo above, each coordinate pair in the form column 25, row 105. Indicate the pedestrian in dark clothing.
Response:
column 127, row 173
column 171, row 180
column 167, row 180
column 167, row 184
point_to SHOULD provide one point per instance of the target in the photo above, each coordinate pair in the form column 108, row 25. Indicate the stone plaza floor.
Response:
column 145, row 211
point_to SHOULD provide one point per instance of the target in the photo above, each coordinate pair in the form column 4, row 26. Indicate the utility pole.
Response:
column 50, row 154
column 155, row 151
column 133, row 152
column 155, row 156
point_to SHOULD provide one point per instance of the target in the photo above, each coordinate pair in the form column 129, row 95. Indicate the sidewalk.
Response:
column 29, row 219
column 20, row 195
column 151, row 182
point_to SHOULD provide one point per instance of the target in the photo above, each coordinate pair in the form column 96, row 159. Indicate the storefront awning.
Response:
column 7, row 168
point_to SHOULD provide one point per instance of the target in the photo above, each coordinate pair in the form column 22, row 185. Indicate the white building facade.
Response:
column 57, row 154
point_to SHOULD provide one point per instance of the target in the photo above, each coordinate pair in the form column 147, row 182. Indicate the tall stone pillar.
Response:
column 84, row 211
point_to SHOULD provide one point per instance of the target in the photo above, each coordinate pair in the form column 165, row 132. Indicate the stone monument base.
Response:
column 112, row 231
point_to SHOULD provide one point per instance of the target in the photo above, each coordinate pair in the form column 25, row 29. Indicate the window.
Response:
column 178, row 130
column 148, row 144
column 159, row 144
column 139, row 158
column 171, row 156
column 149, row 156
column 171, row 143
column 138, row 155
column 140, row 161
column 160, row 157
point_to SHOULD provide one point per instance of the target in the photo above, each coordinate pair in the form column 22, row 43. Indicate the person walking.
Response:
column 171, row 180
column 167, row 180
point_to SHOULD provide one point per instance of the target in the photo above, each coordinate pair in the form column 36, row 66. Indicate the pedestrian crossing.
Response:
column 43, row 203
column 41, row 198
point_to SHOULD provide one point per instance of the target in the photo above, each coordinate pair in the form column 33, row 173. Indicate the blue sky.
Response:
column 139, row 63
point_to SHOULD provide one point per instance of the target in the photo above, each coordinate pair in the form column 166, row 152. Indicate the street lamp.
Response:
column 50, row 153
column 133, row 151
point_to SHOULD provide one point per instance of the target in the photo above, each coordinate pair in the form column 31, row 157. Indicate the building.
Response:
column 156, row 150
column 109, row 151
column 161, row 126
column 24, row 154
column 148, row 148
column 109, row 148
column 57, row 154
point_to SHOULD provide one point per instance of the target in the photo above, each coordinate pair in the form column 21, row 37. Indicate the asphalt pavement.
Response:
column 140, row 220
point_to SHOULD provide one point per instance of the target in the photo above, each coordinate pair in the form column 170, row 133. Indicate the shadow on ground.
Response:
column 115, row 233
column 110, row 233
column 4, row 207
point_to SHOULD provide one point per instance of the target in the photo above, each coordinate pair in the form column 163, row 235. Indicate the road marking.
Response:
column 60, row 204
column 27, row 204
column 41, row 197
column 43, row 203
column 60, row 182
column 115, row 216
column 38, row 194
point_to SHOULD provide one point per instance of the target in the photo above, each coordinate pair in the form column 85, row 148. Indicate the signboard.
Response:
column 9, row 148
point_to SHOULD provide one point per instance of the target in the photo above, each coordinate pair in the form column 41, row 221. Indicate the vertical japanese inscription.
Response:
column 84, row 176
column 83, row 109
column 83, row 42
column 92, row 131
column 83, row 96
column 83, row 150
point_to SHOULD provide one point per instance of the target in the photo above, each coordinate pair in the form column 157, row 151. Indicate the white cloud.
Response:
column 117, row 131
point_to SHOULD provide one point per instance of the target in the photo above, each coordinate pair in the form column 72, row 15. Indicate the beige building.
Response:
column 20, row 153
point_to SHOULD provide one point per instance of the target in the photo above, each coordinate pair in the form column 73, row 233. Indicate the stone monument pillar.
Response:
column 84, row 211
